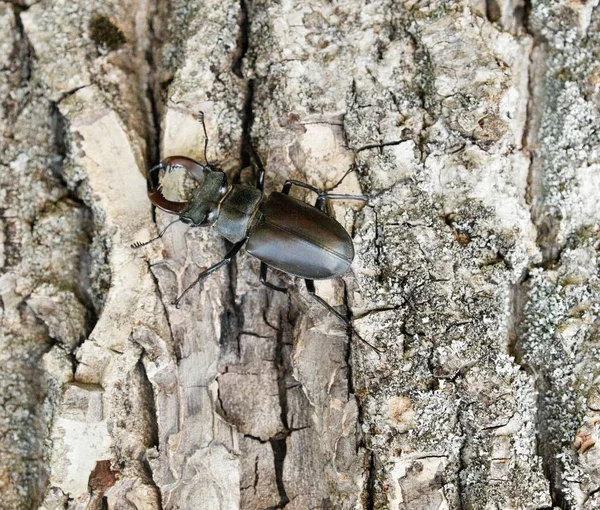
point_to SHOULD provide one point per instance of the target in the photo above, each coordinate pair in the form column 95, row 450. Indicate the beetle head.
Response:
column 203, row 208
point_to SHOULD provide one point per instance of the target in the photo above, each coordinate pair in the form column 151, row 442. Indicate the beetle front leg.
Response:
column 228, row 258
column 310, row 286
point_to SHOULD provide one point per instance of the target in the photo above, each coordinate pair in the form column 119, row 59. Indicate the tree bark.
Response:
column 474, row 129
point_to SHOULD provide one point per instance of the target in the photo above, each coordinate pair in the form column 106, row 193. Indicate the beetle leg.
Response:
column 290, row 182
column 334, row 196
column 263, row 279
column 230, row 254
column 320, row 203
column 310, row 286
column 259, row 169
column 323, row 194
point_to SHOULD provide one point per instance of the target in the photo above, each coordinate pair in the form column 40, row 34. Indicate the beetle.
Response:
column 281, row 231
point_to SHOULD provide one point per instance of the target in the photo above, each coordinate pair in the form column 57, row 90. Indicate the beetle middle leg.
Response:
column 228, row 258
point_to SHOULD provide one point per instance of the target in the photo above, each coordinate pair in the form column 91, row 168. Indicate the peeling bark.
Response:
column 473, row 128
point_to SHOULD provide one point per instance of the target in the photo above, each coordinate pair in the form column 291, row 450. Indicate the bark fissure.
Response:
column 153, row 430
column 247, row 120
column 370, row 486
column 232, row 317
column 279, row 453
column 279, row 444
column 159, row 291
column 350, row 335
column 153, row 97
column 243, row 39
column 282, row 366
column 463, row 465
column 546, row 228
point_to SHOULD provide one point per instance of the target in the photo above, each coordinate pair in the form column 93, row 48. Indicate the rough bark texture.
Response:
column 475, row 129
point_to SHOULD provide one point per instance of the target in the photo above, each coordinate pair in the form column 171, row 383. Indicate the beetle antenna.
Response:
column 160, row 234
column 200, row 117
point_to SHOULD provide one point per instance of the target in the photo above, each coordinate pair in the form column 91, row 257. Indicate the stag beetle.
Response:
column 281, row 231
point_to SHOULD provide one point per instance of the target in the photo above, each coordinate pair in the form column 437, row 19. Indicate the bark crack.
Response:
column 151, row 89
column 153, row 432
column 546, row 225
column 381, row 145
column 462, row 464
column 370, row 488
column 243, row 39
column 279, row 453
column 160, row 294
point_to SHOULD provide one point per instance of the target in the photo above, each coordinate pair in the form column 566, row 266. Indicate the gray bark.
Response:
column 473, row 127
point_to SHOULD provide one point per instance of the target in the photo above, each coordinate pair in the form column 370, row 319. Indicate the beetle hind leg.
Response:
column 263, row 279
column 310, row 286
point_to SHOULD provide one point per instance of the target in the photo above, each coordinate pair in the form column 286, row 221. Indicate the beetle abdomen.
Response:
column 298, row 239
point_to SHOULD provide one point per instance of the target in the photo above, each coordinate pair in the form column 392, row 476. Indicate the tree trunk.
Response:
column 475, row 130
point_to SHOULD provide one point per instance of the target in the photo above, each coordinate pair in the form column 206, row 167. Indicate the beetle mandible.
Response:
column 281, row 231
